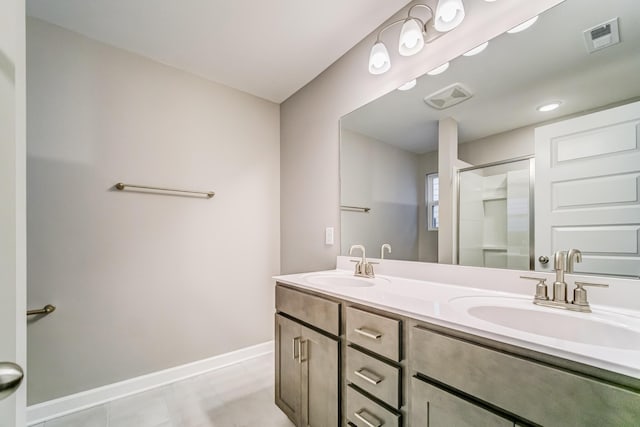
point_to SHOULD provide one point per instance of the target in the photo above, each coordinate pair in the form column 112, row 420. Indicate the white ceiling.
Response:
column 516, row 74
column 267, row 48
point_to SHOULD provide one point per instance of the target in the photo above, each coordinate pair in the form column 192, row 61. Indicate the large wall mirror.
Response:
column 581, row 159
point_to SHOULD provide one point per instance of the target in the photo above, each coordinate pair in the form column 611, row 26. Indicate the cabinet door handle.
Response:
column 370, row 420
column 368, row 333
column 296, row 348
column 304, row 350
column 368, row 376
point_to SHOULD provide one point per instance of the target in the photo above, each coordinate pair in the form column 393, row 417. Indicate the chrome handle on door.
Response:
column 44, row 310
column 296, row 348
column 543, row 259
column 368, row 333
column 370, row 420
column 10, row 378
column 369, row 376
column 304, row 355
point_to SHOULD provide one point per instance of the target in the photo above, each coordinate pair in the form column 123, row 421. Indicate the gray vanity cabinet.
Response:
column 432, row 406
column 307, row 361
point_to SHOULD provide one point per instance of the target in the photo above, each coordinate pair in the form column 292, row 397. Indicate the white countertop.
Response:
column 446, row 305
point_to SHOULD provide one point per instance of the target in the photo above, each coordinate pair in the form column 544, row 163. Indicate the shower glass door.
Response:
column 495, row 215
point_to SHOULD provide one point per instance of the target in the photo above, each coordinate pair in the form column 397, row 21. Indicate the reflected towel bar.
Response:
column 44, row 310
column 122, row 186
column 354, row 209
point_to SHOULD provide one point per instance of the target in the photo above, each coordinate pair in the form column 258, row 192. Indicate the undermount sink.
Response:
column 603, row 329
column 343, row 280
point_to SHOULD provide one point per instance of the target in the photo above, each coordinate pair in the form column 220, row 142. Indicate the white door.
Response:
column 12, row 209
column 588, row 190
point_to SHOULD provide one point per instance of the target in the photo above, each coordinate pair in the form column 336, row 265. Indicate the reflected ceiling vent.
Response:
column 602, row 36
column 448, row 97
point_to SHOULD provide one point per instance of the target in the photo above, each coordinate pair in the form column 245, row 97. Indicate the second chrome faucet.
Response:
column 564, row 262
column 364, row 268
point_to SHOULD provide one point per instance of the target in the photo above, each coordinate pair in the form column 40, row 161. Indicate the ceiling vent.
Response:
column 448, row 97
column 602, row 36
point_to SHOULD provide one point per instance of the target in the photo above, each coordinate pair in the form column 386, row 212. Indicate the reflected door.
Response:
column 587, row 190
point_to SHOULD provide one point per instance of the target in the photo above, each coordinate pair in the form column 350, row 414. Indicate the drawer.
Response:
column 377, row 378
column 521, row 386
column 377, row 333
column 319, row 312
column 363, row 412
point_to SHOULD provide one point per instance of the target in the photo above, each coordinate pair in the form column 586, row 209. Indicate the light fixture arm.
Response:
column 423, row 24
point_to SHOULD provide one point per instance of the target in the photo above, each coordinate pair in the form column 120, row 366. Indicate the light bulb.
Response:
column 408, row 85
column 476, row 50
column 549, row 107
column 411, row 39
column 379, row 61
column 449, row 14
column 523, row 26
column 439, row 70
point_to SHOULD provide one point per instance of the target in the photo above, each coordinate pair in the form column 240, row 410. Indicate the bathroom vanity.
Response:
column 393, row 351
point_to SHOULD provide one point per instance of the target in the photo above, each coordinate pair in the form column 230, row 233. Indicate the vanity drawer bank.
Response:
column 447, row 373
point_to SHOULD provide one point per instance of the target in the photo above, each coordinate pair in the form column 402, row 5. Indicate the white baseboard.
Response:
column 75, row 402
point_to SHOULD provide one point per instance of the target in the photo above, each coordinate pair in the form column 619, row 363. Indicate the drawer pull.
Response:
column 368, row 333
column 368, row 376
column 296, row 348
column 370, row 420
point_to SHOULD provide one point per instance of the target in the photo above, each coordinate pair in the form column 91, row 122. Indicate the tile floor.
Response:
column 236, row 396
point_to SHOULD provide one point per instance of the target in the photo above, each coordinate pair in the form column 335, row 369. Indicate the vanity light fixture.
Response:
column 439, row 70
column 408, row 85
column 549, row 107
column 476, row 50
column 523, row 26
column 448, row 15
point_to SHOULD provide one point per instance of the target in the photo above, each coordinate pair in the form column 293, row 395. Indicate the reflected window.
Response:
column 432, row 197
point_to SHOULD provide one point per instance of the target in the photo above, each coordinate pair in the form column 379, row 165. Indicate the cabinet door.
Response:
column 434, row 407
column 320, row 379
column 288, row 335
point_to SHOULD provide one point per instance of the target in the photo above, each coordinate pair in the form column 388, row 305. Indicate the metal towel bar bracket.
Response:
column 44, row 310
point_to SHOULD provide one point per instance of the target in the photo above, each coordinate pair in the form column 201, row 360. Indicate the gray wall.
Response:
column 142, row 282
column 382, row 177
column 310, row 131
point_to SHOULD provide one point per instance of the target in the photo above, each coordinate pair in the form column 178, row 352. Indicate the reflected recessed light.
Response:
column 489, row 1
column 523, row 26
column 549, row 107
column 476, row 50
column 408, row 85
column 439, row 70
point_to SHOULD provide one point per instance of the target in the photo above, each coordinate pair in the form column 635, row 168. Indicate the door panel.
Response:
column 320, row 379
column 588, row 190
column 434, row 407
column 12, row 202
column 288, row 335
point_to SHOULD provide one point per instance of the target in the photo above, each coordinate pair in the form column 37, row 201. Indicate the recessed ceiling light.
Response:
column 408, row 85
column 523, row 26
column 439, row 70
column 549, row 107
column 476, row 50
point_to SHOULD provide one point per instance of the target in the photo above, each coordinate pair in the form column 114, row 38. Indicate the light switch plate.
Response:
column 328, row 236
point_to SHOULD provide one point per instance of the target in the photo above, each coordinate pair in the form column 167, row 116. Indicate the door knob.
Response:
column 543, row 259
column 10, row 378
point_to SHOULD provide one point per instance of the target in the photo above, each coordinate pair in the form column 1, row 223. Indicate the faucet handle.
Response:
column 580, row 293
column 541, row 287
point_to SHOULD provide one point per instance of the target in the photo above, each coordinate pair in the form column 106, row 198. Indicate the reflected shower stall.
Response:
column 495, row 215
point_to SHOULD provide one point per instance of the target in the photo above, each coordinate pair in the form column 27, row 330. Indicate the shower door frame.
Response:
column 532, row 170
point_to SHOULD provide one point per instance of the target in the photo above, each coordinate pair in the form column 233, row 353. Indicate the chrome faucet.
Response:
column 384, row 246
column 560, row 286
column 563, row 262
column 363, row 267
column 573, row 256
